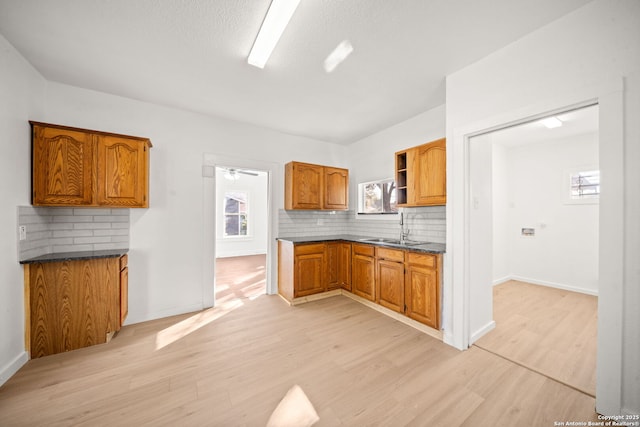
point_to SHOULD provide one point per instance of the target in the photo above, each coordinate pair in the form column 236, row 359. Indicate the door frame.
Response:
column 609, row 95
column 209, row 200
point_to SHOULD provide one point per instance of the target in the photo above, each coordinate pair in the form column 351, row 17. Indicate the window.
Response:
column 235, row 214
column 584, row 186
column 377, row 197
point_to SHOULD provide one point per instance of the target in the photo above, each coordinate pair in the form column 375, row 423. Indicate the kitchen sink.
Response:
column 392, row 241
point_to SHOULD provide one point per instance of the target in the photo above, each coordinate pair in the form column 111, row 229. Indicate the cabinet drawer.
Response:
column 124, row 261
column 366, row 250
column 426, row 260
column 309, row 249
column 390, row 254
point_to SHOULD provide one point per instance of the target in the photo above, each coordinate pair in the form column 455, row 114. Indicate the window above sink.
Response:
column 377, row 197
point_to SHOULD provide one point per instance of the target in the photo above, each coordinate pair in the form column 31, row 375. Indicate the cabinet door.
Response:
column 308, row 270
column 336, row 188
column 363, row 276
column 122, row 172
column 332, row 268
column 344, row 266
column 430, row 175
column 124, row 295
column 422, row 295
column 303, row 186
column 390, row 281
column 73, row 304
column 62, row 167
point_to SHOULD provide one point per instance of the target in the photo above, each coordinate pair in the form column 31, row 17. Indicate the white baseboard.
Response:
column 555, row 285
column 480, row 332
column 448, row 339
column 132, row 319
column 12, row 367
column 502, row 280
column 397, row 316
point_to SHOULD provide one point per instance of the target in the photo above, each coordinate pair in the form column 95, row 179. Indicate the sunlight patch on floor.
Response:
column 182, row 329
column 294, row 410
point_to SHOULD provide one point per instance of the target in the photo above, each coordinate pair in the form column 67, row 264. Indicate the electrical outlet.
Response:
column 22, row 230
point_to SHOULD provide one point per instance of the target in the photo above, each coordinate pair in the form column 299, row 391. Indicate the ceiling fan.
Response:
column 233, row 174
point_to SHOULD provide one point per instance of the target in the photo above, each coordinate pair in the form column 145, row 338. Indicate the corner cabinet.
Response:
column 421, row 175
column 315, row 187
column 312, row 268
column 79, row 167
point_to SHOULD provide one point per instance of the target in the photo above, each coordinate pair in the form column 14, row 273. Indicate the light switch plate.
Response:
column 22, row 230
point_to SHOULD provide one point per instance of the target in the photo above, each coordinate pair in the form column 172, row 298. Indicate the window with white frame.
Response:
column 235, row 214
column 377, row 197
column 584, row 186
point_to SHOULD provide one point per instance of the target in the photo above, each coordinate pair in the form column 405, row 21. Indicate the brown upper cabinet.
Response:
column 421, row 175
column 315, row 187
column 79, row 167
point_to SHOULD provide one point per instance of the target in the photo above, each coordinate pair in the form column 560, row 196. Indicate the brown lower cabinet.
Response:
column 422, row 290
column 363, row 271
column 401, row 280
column 73, row 303
column 390, row 278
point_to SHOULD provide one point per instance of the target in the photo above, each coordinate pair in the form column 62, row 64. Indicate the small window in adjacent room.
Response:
column 377, row 197
column 584, row 186
column 235, row 214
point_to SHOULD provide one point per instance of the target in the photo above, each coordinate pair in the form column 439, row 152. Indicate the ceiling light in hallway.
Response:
column 552, row 122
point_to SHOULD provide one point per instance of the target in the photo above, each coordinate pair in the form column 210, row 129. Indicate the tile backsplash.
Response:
column 53, row 230
column 425, row 224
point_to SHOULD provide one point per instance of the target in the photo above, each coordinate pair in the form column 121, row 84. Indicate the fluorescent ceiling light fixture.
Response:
column 278, row 16
column 552, row 122
column 338, row 55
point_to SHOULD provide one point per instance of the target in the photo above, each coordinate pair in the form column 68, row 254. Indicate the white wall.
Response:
column 564, row 251
column 22, row 94
column 592, row 53
column 256, row 240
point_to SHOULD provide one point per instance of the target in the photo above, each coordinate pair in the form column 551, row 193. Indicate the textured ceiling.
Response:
column 191, row 54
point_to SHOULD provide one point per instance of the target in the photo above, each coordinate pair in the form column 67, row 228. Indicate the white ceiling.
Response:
column 191, row 54
column 577, row 122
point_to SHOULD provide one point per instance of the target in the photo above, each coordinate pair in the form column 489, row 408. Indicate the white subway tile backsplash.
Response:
column 425, row 224
column 72, row 218
column 92, row 239
column 72, row 229
column 92, row 211
column 92, row 225
column 72, row 233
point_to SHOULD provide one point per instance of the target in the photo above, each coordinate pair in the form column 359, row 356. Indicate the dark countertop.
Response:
column 434, row 248
column 73, row 256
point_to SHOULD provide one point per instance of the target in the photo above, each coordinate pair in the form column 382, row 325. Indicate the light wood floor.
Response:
column 231, row 365
column 552, row 331
column 240, row 277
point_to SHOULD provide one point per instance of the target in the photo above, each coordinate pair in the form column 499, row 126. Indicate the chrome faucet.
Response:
column 403, row 232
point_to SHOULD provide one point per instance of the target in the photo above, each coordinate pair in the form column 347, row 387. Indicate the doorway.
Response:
column 535, row 211
column 241, row 223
